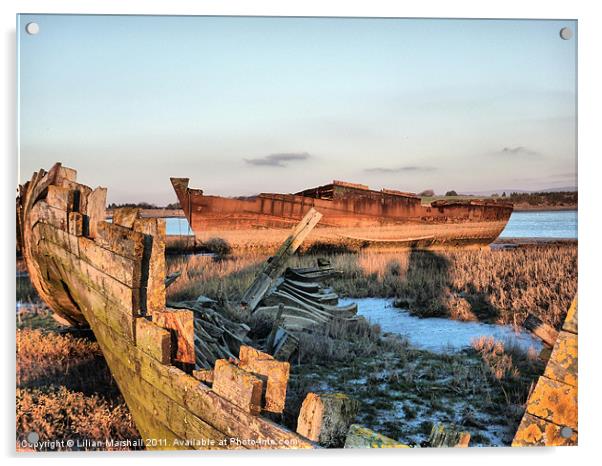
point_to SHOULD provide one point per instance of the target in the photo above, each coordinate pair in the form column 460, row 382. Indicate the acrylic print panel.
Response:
column 249, row 232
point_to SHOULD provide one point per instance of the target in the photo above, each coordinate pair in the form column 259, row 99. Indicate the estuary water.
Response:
column 436, row 334
column 548, row 224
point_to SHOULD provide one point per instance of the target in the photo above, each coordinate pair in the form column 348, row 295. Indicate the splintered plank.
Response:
column 274, row 371
column 96, row 210
column 534, row 431
column 184, row 424
column 180, row 323
column 154, row 229
column 153, row 340
column 237, row 386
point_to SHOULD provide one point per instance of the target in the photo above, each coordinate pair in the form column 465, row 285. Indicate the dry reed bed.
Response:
column 65, row 390
column 501, row 286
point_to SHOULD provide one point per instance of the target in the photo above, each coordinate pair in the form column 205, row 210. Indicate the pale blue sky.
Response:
column 243, row 105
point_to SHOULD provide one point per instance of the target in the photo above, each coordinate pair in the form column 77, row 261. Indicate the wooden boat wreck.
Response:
column 188, row 373
column 354, row 216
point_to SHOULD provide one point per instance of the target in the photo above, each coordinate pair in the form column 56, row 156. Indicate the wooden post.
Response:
column 541, row 330
column 276, row 373
column 180, row 323
column 325, row 418
column 442, row 437
column 274, row 265
column 237, row 386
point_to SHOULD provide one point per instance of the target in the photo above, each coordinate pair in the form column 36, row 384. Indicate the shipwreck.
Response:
column 354, row 216
column 189, row 373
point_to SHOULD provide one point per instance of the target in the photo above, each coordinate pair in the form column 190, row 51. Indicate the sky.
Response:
column 242, row 105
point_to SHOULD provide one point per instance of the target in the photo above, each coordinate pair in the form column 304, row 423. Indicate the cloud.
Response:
column 517, row 150
column 278, row 160
column 407, row 168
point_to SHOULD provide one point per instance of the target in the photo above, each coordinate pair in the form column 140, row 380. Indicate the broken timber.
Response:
column 550, row 418
column 111, row 277
column 272, row 268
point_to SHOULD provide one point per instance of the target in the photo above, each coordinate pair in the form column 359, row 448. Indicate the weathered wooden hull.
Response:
column 358, row 218
column 551, row 415
column 110, row 276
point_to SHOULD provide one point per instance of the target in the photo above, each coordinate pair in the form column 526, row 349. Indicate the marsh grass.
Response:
column 500, row 286
column 404, row 391
column 65, row 390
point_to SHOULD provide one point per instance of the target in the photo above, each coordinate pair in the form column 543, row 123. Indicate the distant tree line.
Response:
column 556, row 198
column 143, row 205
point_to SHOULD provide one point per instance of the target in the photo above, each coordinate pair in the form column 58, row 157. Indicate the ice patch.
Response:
column 435, row 333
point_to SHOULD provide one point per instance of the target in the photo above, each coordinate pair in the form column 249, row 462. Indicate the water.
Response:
column 549, row 224
column 435, row 333
column 178, row 226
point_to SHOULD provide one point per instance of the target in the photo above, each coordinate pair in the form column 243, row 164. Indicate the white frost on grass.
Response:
column 436, row 334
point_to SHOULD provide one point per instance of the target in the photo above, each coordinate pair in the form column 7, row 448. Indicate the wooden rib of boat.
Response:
column 354, row 216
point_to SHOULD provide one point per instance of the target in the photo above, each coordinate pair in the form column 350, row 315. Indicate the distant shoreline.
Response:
column 179, row 213
column 550, row 208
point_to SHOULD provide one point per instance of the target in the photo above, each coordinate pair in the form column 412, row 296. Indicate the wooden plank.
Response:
column 165, row 411
column 114, row 290
column 42, row 212
column 59, row 198
column 90, row 301
column 362, row 437
column 274, row 266
column 126, row 216
column 96, row 210
column 180, row 323
column 275, row 372
column 555, row 402
column 570, row 322
column 76, row 224
column 120, row 240
column 562, row 365
column 153, row 340
column 541, row 330
column 154, row 229
column 121, row 268
column 58, row 236
column 237, row 386
column 534, row 431
column 198, row 398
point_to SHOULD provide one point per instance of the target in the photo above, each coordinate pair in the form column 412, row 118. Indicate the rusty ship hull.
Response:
column 353, row 215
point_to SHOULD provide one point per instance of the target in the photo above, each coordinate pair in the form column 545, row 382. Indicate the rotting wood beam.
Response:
column 273, row 266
